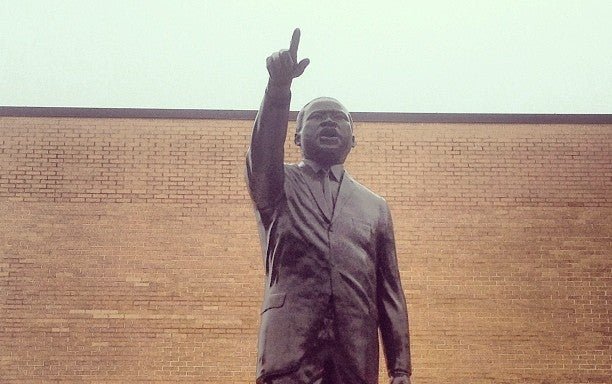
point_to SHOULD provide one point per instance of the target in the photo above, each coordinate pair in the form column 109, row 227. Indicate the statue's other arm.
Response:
column 393, row 314
column 265, row 155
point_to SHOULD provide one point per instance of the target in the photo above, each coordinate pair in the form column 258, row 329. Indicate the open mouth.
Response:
column 329, row 136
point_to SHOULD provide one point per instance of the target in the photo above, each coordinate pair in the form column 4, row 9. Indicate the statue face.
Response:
column 327, row 132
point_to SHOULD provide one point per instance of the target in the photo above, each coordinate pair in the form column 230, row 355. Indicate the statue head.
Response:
column 324, row 131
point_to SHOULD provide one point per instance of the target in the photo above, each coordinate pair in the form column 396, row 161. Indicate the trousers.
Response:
column 323, row 363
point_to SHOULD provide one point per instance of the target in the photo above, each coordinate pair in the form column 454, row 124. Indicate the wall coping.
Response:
column 384, row 117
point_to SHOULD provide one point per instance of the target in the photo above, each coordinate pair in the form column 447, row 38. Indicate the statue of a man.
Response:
column 332, row 279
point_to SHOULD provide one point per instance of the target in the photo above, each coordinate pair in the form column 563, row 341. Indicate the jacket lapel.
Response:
column 347, row 187
column 316, row 192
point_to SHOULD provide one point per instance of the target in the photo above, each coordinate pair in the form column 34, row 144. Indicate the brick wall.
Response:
column 129, row 251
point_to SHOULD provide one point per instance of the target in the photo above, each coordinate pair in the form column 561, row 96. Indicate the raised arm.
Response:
column 266, row 153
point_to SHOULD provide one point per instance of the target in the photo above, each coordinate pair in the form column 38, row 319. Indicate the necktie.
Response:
column 327, row 191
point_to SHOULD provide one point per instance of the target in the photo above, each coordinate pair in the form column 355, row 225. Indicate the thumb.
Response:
column 300, row 67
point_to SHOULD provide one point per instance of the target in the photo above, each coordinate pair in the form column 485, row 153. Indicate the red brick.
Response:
column 129, row 251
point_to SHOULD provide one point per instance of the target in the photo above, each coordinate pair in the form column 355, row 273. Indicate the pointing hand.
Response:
column 283, row 65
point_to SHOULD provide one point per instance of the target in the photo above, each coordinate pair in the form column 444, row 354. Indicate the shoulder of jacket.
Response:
column 292, row 168
column 367, row 191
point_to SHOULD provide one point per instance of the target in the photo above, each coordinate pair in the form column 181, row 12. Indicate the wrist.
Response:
column 278, row 91
column 401, row 378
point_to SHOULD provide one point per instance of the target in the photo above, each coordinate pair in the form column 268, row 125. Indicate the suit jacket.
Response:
column 314, row 258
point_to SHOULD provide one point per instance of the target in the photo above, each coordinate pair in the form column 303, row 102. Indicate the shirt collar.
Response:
column 336, row 170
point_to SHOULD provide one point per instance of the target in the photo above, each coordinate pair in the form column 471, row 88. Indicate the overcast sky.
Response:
column 490, row 56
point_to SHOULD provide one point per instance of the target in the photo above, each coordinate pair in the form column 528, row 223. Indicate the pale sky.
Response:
column 493, row 56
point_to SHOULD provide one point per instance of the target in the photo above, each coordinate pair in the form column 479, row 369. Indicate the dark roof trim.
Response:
column 127, row 113
column 390, row 117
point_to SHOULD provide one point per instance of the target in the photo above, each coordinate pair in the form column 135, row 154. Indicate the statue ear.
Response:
column 297, row 139
column 353, row 142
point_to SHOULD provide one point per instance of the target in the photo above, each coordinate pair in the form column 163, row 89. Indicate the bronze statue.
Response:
column 332, row 279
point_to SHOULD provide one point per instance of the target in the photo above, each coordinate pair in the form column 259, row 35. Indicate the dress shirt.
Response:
column 335, row 176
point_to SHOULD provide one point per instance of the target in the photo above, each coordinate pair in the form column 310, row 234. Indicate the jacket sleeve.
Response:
column 392, row 311
column 264, row 162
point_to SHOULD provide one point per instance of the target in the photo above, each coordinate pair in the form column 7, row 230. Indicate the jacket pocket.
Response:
column 275, row 300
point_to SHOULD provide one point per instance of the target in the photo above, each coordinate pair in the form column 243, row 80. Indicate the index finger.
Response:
column 293, row 47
